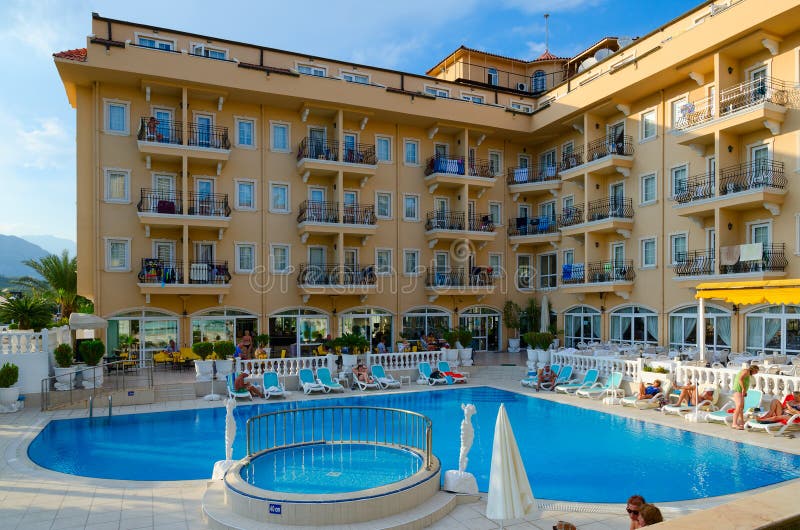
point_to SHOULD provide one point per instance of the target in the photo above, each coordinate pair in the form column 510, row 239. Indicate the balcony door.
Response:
column 618, row 254
column 760, row 233
column 203, row 203
column 617, row 193
column 204, row 124
column 616, row 132
column 316, row 256
column 758, row 78
column 350, row 142
column 316, row 138
column 204, row 252
column 164, row 251
column 164, row 185
column 163, row 125
column 548, row 210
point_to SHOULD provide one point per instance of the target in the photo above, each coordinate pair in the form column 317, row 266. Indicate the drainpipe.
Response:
column 96, row 267
column 664, row 187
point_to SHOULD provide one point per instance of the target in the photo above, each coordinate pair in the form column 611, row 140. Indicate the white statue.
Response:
column 461, row 481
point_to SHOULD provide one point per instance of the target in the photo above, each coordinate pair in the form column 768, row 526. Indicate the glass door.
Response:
column 163, row 125
column 758, row 78
column 204, row 123
column 350, row 142
column 617, row 206
column 316, row 147
column 351, row 207
column 204, row 204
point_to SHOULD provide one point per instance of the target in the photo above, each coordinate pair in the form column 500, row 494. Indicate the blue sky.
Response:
column 37, row 136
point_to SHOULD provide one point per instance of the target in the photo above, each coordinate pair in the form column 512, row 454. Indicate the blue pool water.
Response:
column 331, row 468
column 570, row 453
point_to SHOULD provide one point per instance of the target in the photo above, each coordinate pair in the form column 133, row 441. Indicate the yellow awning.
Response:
column 752, row 292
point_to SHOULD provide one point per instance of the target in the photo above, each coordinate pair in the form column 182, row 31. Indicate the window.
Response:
column 383, row 148
column 567, row 203
column 118, row 255
column 648, row 252
column 279, row 258
column 648, row 188
column 683, row 328
column 568, row 257
column 307, row 69
column 496, row 264
column 775, row 328
column 495, row 162
column 648, row 124
column 245, row 132
column 524, row 271
column 383, row 261
column 117, row 185
column 280, row 136
column 581, row 324
column 438, row 92
column 496, row 213
column 411, row 208
column 634, row 324
column 412, row 152
column 677, row 245
column 351, row 77
column 539, row 81
column 678, row 178
column 383, row 205
column 245, row 195
column 491, row 76
column 411, row 262
column 279, row 198
column 153, row 42
column 547, row 271
column 245, row 257
column 522, row 107
column 116, row 120
column 472, row 97
column 206, row 51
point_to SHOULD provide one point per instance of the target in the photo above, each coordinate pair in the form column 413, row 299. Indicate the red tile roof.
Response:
column 78, row 54
column 547, row 56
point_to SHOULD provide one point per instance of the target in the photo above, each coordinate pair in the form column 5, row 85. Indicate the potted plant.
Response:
column 465, row 338
column 224, row 352
column 262, row 341
column 63, row 369
column 511, row 315
column 204, row 369
column 538, row 344
column 9, row 394
column 92, row 352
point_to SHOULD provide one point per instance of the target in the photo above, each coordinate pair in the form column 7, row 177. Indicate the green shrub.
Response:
column 202, row 349
column 9, row 374
column 660, row 370
column 451, row 337
column 92, row 351
column 646, row 368
column 465, row 337
column 262, row 340
column 63, row 355
column 537, row 340
column 511, row 315
column 224, row 349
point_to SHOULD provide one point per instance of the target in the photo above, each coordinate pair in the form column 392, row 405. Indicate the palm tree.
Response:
column 60, row 281
column 29, row 312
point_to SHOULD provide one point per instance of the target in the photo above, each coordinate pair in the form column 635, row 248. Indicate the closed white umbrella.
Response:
column 545, row 317
column 510, row 495
column 230, row 428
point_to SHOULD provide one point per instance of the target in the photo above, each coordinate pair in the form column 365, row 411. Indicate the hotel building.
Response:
column 224, row 186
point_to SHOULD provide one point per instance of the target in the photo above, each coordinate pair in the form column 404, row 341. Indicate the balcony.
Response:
column 744, row 108
column 753, row 260
column 321, row 158
column 604, row 156
column 529, row 182
column 445, row 225
column 331, row 218
column 598, row 277
column 166, row 277
column 462, row 281
column 532, row 231
column 694, row 266
column 610, row 214
column 452, row 172
column 313, row 279
column 695, row 197
column 571, row 220
column 164, row 140
column 165, row 209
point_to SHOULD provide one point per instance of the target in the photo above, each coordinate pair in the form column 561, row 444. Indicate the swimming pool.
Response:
column 571, row 454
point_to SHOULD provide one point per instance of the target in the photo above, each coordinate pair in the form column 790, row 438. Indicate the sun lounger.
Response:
column 386, row 381
column 533, row 376
column 324, row 378
column 708, row 405
column 308, row 382
column 564, row 377
column 599, row 390
column 725, row 414
column 271, row 385
column 652, row 402
column 236, row 394
column 588, row 380
column 364, row 385
column 425, row 373
column 778, row 428
column 457, row 377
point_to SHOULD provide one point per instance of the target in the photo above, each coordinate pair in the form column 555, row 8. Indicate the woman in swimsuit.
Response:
column 740, row 386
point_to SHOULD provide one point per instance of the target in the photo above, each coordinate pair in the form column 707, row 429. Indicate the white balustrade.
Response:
column 770, row 384
column 404, row 360
column 31, row 352
column 284, row 367
column 604, row 365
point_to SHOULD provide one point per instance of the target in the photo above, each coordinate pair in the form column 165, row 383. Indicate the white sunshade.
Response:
column 86, row 321
column 544, row 324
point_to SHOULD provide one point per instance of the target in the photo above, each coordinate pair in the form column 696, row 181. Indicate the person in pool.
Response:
column 635, row 502
column 740, row 386
column 646, row 392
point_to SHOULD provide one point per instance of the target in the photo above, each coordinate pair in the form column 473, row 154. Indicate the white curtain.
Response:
column 755, row 333
column 626, row 323
column 723, row 329
column 652, row 329
column 771, row 328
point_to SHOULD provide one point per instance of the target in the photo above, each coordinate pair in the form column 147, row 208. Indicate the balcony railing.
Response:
column 694, row 263
column 479, row 75
column 329, row 150
column 603, row 147
column 334, row 275
column 171, row 202
column 460, row 277
column 455, row 166
column 160, row 131
column 571, row 216
column 572, row 158
column 209, row 136
column 610, row 208
column 696, row 188
column 333, row 212
column 532, row 226
column 532, row 175
column 155, row 270
column 448, row 220
column 573, row 273
column 753, row 257
column 752, row 176
column 610, row 271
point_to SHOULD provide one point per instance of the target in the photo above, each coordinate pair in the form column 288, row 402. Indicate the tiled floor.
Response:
column 32, row 498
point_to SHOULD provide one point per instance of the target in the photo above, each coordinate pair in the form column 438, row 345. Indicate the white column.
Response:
column 701, row 328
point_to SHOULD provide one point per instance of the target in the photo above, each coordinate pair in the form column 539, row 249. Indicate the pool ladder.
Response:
column 91, row 406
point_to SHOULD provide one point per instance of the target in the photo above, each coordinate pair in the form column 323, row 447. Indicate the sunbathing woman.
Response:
column 782, row 411
column 647, row 392
column 688, row 395
column 362, row 374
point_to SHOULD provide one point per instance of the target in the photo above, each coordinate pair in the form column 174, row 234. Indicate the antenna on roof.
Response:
column 546, row 32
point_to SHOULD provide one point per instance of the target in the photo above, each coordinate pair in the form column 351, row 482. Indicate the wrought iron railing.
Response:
column 610, row 271
column 694, row 263
column 360, row 154
column 572, row 158
column 208, row 136
column 610, row 145
column 772, row 258
column 333, row 212
column 209, row 204
column 571, row 216
column 532, row 226
column 455, row 165
column 481, row 222
column 460, row 277
column 155, row 270
column 695, row 113
column 610, row 208
column 696, row 188
column 158, row 201
column 160, row 131
column 573, row 273
column 450, row 220
column 527, row 175
column 756, row 91
column 751, row 176
column 317, row 149
column 485, row 77
column 342, row 425
column 312, row 274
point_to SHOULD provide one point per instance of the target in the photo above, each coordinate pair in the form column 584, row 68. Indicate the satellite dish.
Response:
column 588, row 63
column 602, row 53
column 624, row 41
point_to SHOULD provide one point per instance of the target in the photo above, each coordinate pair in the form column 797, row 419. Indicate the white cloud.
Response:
column 534, row 49
column 40, row 27
column 44, row 144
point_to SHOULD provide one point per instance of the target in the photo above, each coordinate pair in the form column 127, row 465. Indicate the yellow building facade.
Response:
column 225, row 187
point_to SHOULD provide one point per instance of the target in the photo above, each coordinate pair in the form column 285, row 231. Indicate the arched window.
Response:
column 683, row 328
column 425, row 321
column 634, row 325
column 299, row 331
column 539, row 81
column 484, row 323
column 581, row 324
column 773, row 328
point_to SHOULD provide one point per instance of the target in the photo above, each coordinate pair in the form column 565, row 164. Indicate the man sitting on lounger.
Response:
column 545, row 375
column 361, row 372
column 647, row 392
column 240, row 384
column 782, row 410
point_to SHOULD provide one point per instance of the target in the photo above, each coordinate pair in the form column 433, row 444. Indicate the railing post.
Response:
column 428, row 444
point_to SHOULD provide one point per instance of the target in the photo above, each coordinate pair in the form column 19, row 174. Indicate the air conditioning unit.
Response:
column 522, row 87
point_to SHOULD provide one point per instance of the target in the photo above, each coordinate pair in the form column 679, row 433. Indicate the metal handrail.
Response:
column 451, row 220
column 455, row 165
column 610, row 145
column 755, row 175
column 528, row 175
column 156, row 270
column 610, row 208
column 532, row 226
column 209, row 136
column 311, row 274
column 773, row 259
column 333, row 212
column 160, row 131
column 158, row 201
column 610, row 271
column 376, row 425
column 571, row 216
column 694, row 263
column 696, row 188
column 572, row 158
column 460, row 277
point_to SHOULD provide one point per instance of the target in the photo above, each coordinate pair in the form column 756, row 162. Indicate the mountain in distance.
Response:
column 53, row 244
column 13, row 251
